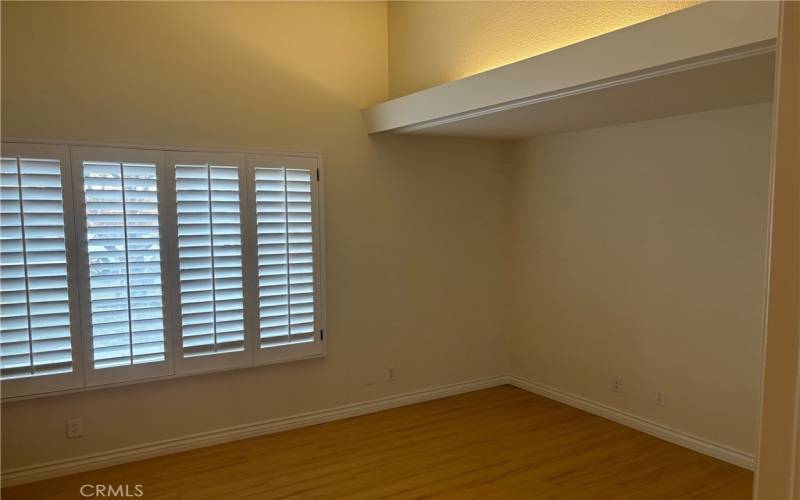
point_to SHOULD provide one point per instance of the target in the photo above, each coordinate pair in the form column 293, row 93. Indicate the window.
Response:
column 148, row 276
column 37, row 350
column 287, row 241
column 119, row 240
column 208, row 205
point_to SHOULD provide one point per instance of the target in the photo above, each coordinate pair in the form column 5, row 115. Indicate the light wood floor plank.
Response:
column 500, row 443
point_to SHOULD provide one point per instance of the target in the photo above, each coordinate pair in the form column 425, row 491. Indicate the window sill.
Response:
column 173, row 376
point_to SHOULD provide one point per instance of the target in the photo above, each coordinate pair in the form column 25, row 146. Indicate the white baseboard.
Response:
column 132, row 453
column 83, row 463
column 680, row 438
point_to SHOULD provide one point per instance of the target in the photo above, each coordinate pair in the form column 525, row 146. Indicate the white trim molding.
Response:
column 698, row 444
column 702, row 36
column 100, row 460
column 109, row 458
column 171, row 361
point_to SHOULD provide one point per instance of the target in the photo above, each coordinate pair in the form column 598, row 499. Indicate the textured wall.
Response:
column 435, row 42
column 639, row 252
column 417, row 233
column 405, row 216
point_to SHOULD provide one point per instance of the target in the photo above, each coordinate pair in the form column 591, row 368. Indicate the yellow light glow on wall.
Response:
column 431, row 43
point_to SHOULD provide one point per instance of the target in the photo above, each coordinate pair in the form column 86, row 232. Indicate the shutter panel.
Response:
column 210, row 259
column 34, row 298
column 285, row 255
column 124, row 260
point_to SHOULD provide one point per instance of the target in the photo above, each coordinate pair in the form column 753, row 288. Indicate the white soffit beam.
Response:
column 706, row 34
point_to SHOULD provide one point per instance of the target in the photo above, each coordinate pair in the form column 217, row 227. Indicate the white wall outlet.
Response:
column 617, row 384
column 660, row 398
column 74, row 428
column 390, row 375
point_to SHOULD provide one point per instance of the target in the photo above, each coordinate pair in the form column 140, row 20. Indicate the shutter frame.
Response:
column 218, row 361
column 62, row 381
column 316, row 347
column 83, row 376
column 101, row 376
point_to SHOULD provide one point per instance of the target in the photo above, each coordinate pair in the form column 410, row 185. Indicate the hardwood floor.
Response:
column 495, row 443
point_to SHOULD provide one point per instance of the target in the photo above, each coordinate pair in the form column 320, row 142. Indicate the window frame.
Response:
column 84, row 377
column 316, row 347
column 223, row 361
column 104, row 376
column 35, row 385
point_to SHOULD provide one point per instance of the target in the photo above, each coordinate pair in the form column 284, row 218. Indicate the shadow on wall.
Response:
column 413, row 224
column 180, row 73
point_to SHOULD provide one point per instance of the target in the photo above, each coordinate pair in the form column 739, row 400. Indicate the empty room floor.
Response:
column 502, row 442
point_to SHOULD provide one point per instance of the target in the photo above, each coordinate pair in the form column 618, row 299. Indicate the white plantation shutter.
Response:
column 119, row 264
column 35, row 312
column 285, row 255
column 34, row 303
column 120, row 209
column 124, row 263
column 288, row 285
column 207, row 203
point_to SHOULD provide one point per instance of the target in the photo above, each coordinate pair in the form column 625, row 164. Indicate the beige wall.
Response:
column 639, row 253
column 405, row 216
column 435, row 42
column 780, row 414
column 610, row 256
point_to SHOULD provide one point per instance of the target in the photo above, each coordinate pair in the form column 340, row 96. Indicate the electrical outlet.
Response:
column 617, row 384
column 390, row 376
column 74, row 428
column 660, row 398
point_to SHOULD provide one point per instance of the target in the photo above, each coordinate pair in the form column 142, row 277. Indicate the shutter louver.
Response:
column 104, row 260
column 285, row 256
column 34, row 304
column 210, row 259
column 124, row 263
